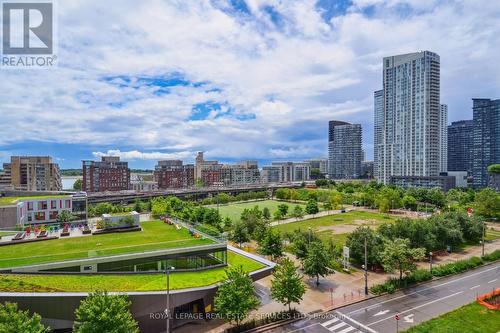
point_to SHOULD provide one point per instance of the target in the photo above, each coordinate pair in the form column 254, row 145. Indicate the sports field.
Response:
column 125, row 282
column 234, row 210
column 155, row 236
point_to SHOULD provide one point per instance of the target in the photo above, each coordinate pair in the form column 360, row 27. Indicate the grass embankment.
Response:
column 469, row 318
column 234, row 210
column 154, row 236
column 132, row 282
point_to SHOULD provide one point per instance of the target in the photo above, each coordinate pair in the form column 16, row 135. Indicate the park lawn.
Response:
column 336, row 219
column 492, row 235
column 130, row 282
column 234, row 210
column 155, row 235
column 338, row 239
column 469, row 318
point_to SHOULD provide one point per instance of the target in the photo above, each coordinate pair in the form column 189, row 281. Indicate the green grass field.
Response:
column 469, row 318
column 492, row 235
column 234, row 210
column 336, row 219
column 155, row 236
column 132, row 282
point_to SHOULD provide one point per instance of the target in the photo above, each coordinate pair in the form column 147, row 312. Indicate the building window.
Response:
column 30, row 205
column 30, row 217
column 40, row 216
column 67, row 203
column 53, row 204
column 53, row 215
column 42, row 205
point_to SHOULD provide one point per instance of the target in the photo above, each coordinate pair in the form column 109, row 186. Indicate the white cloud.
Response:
column 287, row 81
column 137, row 155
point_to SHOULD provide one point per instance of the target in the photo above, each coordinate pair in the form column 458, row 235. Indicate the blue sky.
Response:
column 238, row 79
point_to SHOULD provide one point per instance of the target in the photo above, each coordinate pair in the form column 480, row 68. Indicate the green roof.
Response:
column 125, row 282
column 155, row 235
column 494, row 168
column 7, row 201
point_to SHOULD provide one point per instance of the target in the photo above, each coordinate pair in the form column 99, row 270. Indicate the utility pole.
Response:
column 310, row 234
column 430, row 262
column 366, row 267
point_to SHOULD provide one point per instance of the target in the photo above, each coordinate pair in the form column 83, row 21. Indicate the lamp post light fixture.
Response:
column 167, row 310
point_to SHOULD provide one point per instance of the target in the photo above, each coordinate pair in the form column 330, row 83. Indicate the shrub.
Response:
column 495, row 255
column 457, row 267
column 392, row 284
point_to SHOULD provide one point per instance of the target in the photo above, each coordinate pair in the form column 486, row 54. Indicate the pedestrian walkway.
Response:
column 336, row 325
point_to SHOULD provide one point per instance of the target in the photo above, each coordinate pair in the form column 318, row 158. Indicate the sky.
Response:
column 238, row 79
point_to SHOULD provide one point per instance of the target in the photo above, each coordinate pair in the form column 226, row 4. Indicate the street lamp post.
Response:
column 310, row 235
column 366, row 267
column 482, row 241
column 167, row 310
column 430, row 262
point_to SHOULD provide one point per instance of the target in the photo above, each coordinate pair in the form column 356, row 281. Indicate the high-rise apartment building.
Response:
column 31, row 173
column 344, row 150
column 407, row 117
column 320, row 164
column 109, row 174
column 174, row 174
column 460, row 145
column 241, row 173
column 486, row 118
column 443, row 137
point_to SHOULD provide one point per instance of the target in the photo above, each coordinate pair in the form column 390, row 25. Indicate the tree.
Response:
column 137, row 206
column 317, row 262
column 487, row 203
column 298, row 212
column 266, row 214
column 327, row 206
column 78, row 184
column 287, row 286
column 312, row 207
column 283, row 208
column 240, row 233
column 100, row 312
column 235, row 298
column 409, row 202
column 271, row 244
column 277, row 215
column 356, row 244
column 227, row 222
column 65, row 216
column 13, row 320
column 398, row 255
column 252, row 218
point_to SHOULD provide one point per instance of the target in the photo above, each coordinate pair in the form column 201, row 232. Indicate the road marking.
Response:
column 492, row 281
column 408, row 318
column 471, row 288
column 417, row 307
column 381, row 313
column 334, row 320
column 419, row 291
column 357, row 323
column 350, row 328
column 337, row 326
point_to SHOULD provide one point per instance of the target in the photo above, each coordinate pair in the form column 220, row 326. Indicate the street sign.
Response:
column 397, row 317
column 346, row 252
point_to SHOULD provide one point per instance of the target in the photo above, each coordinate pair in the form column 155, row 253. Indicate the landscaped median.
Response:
column 421, row 275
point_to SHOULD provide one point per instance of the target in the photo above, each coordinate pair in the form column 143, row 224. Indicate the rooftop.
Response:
column 8, row 201
column 155, row 235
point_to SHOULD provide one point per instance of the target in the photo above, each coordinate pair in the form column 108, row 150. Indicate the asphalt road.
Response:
column 413, row 305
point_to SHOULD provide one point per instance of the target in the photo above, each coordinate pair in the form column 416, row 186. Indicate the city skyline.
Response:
column 144, row 110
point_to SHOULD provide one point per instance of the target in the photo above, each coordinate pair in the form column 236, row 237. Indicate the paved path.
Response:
column 413, row 305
